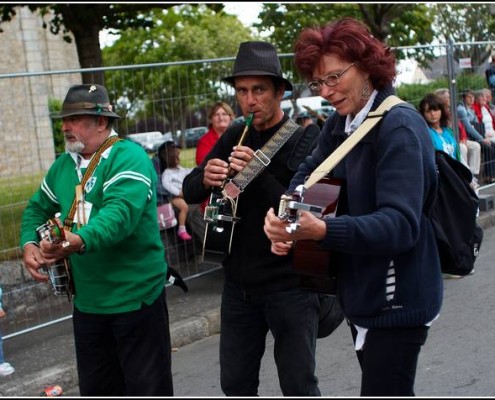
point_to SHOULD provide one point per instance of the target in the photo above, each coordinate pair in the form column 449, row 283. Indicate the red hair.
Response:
column 350, row 40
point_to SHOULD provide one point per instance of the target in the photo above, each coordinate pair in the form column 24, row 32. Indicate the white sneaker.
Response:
column 6, row 369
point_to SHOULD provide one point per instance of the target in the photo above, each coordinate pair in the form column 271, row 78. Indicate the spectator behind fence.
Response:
column 475, row 131
column 470, row 150
column 120, row 317
column 486, row 122
column 433, row 110
column 389, row 276
column 482, row 111
column 220, row 118
column 172, row 178
column 490, row 74
column 159, row 161
column 5, row 367
column 261, row 291
column 304, row 119
column 489, row 101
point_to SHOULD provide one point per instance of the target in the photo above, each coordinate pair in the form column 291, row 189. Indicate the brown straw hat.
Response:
column 257, row 58
column 91, row 99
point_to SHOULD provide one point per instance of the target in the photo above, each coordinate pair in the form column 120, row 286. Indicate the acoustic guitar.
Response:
column 313, row 264
column 220, row 215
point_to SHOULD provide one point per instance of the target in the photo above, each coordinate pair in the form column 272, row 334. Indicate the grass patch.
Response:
column 188, row 157
column 15, row 193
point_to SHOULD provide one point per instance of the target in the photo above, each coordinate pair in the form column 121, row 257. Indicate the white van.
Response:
column 150, row 141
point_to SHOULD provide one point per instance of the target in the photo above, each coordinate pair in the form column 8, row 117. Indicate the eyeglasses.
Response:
column 330, row 80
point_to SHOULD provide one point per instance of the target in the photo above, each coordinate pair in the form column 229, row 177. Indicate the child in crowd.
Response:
column 172, row 178
column 5, row 367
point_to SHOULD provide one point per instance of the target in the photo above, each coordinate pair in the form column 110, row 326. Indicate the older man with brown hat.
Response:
column 252, row 165
column 99, row 200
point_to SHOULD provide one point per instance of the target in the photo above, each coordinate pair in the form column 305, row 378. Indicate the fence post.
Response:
column 452, row 87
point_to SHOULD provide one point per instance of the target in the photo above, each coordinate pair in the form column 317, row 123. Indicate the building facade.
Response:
column 25, row 123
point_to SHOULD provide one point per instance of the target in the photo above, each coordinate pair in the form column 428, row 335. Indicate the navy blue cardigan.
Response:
column 388, row 266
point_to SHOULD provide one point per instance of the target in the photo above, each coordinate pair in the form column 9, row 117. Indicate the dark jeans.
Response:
column 292, row 317
column 389, row 359
column 125, row 354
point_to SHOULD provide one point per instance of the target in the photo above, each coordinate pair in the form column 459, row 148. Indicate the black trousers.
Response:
column 125, row 354
column 292, row 317
column 389, row 359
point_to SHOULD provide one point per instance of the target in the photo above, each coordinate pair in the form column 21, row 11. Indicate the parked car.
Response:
column 192, row 135
column 150, row 141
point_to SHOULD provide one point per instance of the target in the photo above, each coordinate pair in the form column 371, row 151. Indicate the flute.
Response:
column 249, row 121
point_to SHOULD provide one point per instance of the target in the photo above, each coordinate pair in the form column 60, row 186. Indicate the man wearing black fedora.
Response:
column 102, row 191
column 261, row 291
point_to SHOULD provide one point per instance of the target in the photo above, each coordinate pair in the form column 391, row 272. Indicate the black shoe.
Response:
column 176, row 279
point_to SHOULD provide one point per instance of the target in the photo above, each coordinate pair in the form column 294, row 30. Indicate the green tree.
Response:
column 175, row 93
column 85, row 21
column 466, row 22
column 54, row 106
column 395, row 24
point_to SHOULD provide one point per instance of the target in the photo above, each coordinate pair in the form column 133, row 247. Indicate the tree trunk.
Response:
column 85, row 23
column 89, row 51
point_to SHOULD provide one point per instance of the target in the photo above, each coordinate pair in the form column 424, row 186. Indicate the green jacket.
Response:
column 124, row 262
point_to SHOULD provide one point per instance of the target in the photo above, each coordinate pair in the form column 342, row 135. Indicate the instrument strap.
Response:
column 260, row 160
column 68, row 223
column 333, row 159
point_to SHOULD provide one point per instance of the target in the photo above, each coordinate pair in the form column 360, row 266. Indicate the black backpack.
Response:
column 453, row 214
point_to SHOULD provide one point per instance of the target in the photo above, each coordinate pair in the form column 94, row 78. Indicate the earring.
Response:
column 366, row 91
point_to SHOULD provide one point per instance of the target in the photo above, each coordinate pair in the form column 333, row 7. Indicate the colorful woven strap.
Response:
column 68, row 224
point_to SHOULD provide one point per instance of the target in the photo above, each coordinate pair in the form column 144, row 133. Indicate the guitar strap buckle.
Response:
column 231, row 190
column 262, row 157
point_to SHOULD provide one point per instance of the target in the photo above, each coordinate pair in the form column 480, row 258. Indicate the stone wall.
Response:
column 29, row 53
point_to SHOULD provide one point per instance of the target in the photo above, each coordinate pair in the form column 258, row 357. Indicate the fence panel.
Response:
column 166, row 97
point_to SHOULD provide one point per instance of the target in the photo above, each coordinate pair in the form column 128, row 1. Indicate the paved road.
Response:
column 457, row 360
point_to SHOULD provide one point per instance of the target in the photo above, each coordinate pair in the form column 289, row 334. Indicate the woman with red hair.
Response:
column 382, row 243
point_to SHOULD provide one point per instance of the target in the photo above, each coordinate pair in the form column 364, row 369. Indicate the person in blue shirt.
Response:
column 434, row 111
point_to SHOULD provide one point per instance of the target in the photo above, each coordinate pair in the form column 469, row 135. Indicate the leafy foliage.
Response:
column 54, row 106
column 466, row 22
column 395, row 24
column 178, row 34
column 85, row 22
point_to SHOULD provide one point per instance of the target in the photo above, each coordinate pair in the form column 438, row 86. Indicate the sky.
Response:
column 247, row 12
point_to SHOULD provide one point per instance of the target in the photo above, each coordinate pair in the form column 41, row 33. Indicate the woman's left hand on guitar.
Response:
column 309, row 227
column 281, row 248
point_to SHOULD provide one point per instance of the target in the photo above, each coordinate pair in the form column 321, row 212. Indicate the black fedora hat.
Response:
column 257, row 58
column 91, row 99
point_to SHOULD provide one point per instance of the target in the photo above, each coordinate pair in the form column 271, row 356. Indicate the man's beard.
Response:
column 74, row 147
